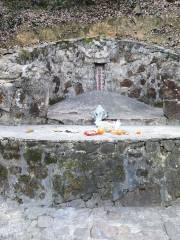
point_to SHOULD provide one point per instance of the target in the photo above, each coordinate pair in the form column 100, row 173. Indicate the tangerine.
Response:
column 100, row 131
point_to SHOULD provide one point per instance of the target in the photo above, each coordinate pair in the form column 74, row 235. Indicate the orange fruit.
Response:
column 138, row 132
column 119, row 132
column 100, row 131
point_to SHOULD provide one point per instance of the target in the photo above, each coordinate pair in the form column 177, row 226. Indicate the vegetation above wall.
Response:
column 57, row 3
column 25, row 22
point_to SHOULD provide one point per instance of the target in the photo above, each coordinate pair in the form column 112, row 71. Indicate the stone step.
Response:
column 77, row 110
column 37, row 222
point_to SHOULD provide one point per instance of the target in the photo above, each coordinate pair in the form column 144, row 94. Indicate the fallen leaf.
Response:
column 30, row 130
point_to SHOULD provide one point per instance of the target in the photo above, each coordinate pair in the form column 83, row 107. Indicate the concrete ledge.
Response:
column 71, row 133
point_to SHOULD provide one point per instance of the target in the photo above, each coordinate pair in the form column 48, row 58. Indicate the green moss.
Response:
column 24, row 178
column 57, row 184
column 3, row 173
column 55, row 100
column 71, row 165
column 19, row 115
column 118, row 173
column 10, row 151
column 35, row 53
column 39, row 171
column 33, row 155
column 88, row 40
column 11, row 155
column 49, row 159
column 75, row 185
column 11, row 146
column 31, row 187
column 159, row 104
column 142, row 173
column 25, row 55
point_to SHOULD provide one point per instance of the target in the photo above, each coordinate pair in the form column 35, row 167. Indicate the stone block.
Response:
column 172, row 109
column 7, row 91
column 152, row 146
column 126, row 83
column 107, row 148
column 45, row 221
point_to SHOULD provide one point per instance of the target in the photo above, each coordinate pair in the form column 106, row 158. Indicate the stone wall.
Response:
column 33, row 78
column 90, row 173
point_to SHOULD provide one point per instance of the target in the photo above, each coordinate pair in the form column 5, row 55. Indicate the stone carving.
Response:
column 99, row 114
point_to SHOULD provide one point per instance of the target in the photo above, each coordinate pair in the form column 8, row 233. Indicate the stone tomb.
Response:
column 62, row 83
column 35, row 78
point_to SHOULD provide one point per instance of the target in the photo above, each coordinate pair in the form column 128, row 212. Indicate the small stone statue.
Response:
column 99, row 114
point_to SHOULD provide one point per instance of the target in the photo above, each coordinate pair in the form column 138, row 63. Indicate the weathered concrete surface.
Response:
column 78, row 110
column 68, row 133
column 68, row 168
column 33, row 222
column 31, row 79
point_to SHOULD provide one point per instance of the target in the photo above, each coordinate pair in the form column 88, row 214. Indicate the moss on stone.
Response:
column 159, row 104
column 15, row 170
column 118, row 173
column 33, row 155
column 88, row 147
column 49, row 159
column 71, row 164
column 58, row 184
column 11, row 151
column 88, row 40
column 28, row 56
column 25, row 55
column 142, row 173
column 19, row 115
column 31, row 187
column 11, row 146
column 39, row 171
column 55, row 100
column 3, row 172
column 74, row 186
column 24, row 178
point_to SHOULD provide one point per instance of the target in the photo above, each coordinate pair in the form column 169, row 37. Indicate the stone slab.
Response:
column 77, row 110
column 76, row 133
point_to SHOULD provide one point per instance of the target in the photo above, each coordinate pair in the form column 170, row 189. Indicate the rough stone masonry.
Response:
column 88, row 173
column 33, row 78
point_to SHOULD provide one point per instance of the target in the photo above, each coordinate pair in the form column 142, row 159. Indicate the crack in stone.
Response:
column 164, row 226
